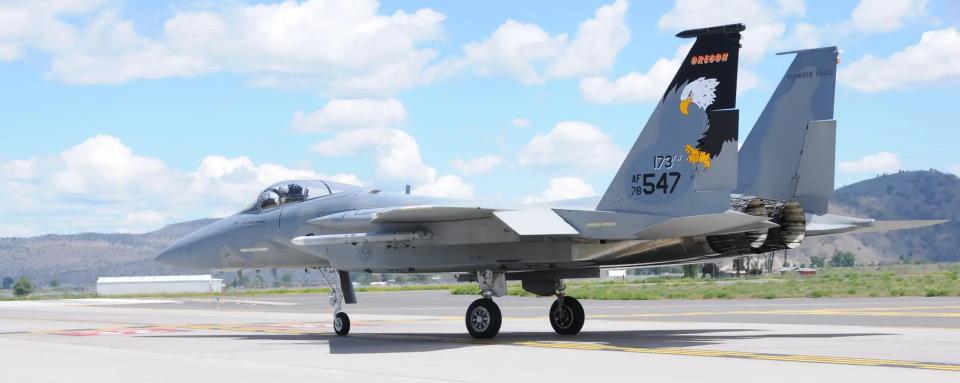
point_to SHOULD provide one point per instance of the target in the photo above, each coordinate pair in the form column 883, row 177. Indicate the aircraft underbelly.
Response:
column 515, row 256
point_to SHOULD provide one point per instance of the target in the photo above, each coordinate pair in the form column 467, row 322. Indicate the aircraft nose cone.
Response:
column 198, row 250
column 176, row 255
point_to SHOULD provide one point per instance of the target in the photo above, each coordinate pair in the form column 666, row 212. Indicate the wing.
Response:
column 440, row 224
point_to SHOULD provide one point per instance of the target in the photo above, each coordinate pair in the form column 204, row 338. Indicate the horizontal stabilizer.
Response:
column 833, row 225
column 415, row 214
column 536, row 222
column 357, row 238
column 725, row 223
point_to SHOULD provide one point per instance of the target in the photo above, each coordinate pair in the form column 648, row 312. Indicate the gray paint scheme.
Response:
column 770, row 158
column 667, row 131
column 815, row 173
column 465, row 236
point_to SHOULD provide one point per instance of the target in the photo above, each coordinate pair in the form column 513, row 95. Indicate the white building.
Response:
column 166, row 284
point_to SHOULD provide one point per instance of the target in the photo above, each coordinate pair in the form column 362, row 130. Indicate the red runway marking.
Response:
column 119, row 331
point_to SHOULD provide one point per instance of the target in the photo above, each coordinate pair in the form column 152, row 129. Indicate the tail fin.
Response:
column 685, row 160
column 790, row 152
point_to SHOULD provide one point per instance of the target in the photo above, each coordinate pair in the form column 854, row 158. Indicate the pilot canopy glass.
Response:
column 288, row 192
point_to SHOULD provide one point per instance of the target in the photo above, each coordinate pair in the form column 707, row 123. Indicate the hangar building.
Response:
column 165, row 284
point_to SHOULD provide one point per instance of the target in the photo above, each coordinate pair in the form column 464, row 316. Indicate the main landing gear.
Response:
column 483, row 318
column 566, row 313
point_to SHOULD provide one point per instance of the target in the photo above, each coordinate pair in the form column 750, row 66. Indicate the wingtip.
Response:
column 721, row 29
column 834, row 48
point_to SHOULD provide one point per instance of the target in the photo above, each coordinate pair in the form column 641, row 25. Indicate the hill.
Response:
column 78, row 259
column 903, row 195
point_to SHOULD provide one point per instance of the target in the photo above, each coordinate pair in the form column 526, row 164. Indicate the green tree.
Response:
column 23, row 287
column 843, row 259
column 287, row 278
column 54, row 283
column 691, row 270
column 817, row 261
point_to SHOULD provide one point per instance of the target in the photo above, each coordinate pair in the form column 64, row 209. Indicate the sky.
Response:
column 127, row 116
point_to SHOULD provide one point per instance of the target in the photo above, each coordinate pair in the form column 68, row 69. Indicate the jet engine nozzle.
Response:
column 792, row 230
column 742, row 243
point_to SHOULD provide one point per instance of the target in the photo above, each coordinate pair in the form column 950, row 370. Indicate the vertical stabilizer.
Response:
column 685, row 160
column 789, row 154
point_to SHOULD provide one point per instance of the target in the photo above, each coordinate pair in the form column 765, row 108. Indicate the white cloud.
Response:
column 351, row 114
column 764, row 21
column 477, row 165
column 572, row 143
column 341, row 46
column 512, row 50
column 398, row 159
column 144, row 218
column 955, row 169
column 520, row 122
column 746, row 80
column 20, row 169
column 874, row 16
column 597, row 44
column 634, row 86
column 104, row 166
column 868, row 17
column 449, row 186
column 562, row 188
column 103, row 185
column 880, row 162
column 529, row 53
column 935, row 58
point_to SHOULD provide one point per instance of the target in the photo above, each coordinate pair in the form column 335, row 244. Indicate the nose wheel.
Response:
column 341, row 323
column 566, row 316
column 483, row 319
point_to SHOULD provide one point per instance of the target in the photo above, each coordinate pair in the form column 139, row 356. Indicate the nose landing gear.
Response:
column 341, row 321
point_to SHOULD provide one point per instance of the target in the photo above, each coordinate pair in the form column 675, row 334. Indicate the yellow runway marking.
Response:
column 742, row 355
column 322, row 330
column 863, row 311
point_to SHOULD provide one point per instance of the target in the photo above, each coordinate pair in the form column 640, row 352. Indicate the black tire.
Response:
column 567, row 318
column 483, row 319
column 341, row 324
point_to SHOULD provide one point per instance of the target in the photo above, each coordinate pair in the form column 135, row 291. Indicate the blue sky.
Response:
column 131, row 115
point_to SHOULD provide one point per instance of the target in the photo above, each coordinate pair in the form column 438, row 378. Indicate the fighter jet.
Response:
column 671, row 202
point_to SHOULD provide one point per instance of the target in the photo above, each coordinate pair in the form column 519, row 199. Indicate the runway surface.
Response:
column 420, row 336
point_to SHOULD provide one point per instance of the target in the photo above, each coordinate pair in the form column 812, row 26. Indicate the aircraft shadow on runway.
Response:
column 372, row 343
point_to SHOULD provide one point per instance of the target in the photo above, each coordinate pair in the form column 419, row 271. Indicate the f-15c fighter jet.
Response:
column 671, row 202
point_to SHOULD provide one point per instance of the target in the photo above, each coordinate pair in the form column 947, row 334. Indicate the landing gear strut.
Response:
column 483, row 317
column 341, row 321
column 566, row 313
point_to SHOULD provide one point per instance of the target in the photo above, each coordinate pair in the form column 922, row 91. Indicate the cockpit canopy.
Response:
column 293, row 191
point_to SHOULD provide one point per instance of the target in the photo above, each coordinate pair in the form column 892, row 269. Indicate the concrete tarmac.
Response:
column 420, row 336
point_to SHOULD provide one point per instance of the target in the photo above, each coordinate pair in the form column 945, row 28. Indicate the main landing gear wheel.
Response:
column 566, row 316
column 483, row 319
column 341, row 324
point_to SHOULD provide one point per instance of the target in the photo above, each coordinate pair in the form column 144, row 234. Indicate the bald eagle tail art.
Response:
column 675, row 167
column 711, row 143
